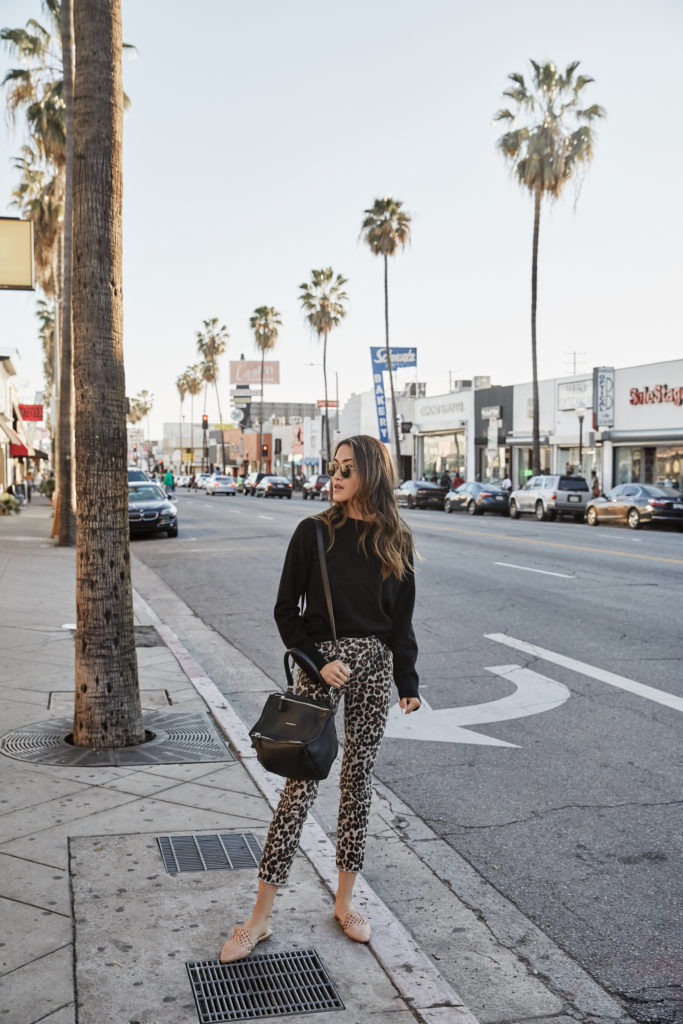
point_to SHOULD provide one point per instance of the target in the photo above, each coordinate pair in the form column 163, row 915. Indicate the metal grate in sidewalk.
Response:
column 267, row 985
column 218, row 852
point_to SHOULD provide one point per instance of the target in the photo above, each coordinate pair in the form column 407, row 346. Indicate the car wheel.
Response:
column 513, row 511
column 447, row 506
column 540, row 511
column 289, row 497
column 472, row 508
column 411, row 501
column 592, row 517
column 304, row 495
column 633, row 518
column 173, row 532
column 552, row 516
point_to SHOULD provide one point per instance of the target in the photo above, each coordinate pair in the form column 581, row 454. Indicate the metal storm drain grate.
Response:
column 227, row 851
column 268, row 985
column 178, row 738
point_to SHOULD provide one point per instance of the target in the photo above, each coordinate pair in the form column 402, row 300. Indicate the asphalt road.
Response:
column 565, row 790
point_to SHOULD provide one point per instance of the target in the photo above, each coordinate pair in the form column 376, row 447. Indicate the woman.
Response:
column 370, row 564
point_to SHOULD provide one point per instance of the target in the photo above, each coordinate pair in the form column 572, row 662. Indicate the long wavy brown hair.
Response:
column 383, row 530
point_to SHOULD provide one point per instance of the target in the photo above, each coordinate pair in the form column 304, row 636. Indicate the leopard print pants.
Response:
column 366, row 706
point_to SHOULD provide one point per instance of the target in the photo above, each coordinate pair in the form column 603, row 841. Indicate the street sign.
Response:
column 16, row 254
column 237, row 415
column 245, row 371
column 331, row 403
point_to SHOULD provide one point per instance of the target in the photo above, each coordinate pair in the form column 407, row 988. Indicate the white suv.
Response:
column 548, row 497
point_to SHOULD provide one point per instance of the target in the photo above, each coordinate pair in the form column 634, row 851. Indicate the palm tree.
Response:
column 264, row 323
column 39, row 197
column 145, row 402
column 323, row 300
column 193, row 385
column 181, row 385
column 107, row 705
column 211, row 344
column 553, row 141
column 385, row 227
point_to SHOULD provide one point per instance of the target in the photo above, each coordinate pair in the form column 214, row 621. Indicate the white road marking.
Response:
column 543, row 572
column 669, row 700
column 266, row 517
column 235, row 512
column 533, row 694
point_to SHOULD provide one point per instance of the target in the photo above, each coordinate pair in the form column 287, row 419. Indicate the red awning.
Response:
column 18, row 451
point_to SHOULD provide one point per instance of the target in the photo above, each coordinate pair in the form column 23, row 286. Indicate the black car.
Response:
column 150, row 510
column 274, row 487
column 477, row 498
column 249, row 485
column 421, row 494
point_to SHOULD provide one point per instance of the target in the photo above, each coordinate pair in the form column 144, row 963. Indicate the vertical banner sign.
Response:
column 400, row 358
column 603, row 397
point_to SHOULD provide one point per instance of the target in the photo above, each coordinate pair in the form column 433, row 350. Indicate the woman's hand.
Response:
column 409, row 704
column 335, row 673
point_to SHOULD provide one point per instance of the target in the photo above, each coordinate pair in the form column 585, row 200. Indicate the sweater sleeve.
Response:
column 291, row 594
column 403, row 642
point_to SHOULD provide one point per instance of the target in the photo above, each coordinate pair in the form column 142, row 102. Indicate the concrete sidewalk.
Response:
column 95, row 930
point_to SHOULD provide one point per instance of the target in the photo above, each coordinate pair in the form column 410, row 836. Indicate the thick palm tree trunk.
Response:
column 65, row 473
column 220, row 420
column 107, row 704
column 536, row 429
column 394, row 415
column 327, row 410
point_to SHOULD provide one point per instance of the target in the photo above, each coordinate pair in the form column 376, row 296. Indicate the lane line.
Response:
column 266, row 517
column 552, row 544
column 669, row 700
column 543, row 572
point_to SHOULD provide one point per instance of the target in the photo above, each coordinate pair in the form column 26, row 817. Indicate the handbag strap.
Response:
column 325, row 578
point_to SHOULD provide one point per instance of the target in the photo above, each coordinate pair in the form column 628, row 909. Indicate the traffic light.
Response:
column 135, row 447
column 264, row 450
column 205, row 422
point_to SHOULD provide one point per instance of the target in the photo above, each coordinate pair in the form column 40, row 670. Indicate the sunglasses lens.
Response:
column 332, row 468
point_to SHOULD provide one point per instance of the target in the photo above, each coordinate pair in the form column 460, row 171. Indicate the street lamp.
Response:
column 581, row 412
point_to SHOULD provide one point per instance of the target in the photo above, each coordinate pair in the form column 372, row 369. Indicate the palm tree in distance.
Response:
column 385, row 227
column 323, row 300
column 264, row 322
column 211, row 344
column 553, row 140
column 193, row 384
column 181, row 386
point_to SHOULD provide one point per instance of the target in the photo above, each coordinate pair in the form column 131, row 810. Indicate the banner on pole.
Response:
column 400, row 358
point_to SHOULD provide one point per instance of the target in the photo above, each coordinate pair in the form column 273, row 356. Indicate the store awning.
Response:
column 18, row 451
column 38, row 454
column 10, row 433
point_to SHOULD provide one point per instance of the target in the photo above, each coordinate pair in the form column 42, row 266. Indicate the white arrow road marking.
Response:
column 543, row 572
column 533, row 694
column 669, row 700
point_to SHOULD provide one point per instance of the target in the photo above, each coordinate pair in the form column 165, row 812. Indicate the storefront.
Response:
column 644, row 442
column 493, row 421
column 443, row 434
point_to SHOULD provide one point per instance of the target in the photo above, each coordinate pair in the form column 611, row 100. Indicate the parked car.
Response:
column 636, row 505
column 421, row 494
column 135, row 474
column 200, row 480
column 150, row 510
column 313, row 487
column 220, row 484
column 250, row 482
column 477, row 498
column 184, row 480
column 548, row 497
column 274, row 487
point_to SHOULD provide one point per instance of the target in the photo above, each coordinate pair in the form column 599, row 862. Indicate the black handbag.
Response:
column 295, row 736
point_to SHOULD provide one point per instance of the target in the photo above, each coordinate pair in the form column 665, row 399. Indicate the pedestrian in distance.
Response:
column 595, row 484
column 370, row 555
column 457, row 480
column 507, row 482
column 445, row 480
column 169, row 480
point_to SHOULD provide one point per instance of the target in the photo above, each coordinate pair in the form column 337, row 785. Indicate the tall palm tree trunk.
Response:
column 191, row 434
column 394, row 415
column 67, row 521
column 220, row 420
column 260, row 446
column 327, row 411
column 107, row 702
column 536, row 429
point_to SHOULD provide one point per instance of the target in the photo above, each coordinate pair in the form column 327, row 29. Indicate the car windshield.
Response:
column 146, row 492
column 489, row 488
column 572, row 483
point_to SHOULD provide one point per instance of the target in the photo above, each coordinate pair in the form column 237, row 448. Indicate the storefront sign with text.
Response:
column 656, row 395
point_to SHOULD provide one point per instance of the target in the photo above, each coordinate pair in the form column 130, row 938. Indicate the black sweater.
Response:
column 364, row 604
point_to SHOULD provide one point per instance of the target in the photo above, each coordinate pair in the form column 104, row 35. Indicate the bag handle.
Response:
column 305, row 663
column 326, row 580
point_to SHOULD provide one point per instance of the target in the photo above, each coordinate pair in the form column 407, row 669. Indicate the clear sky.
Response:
column 260, row 131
